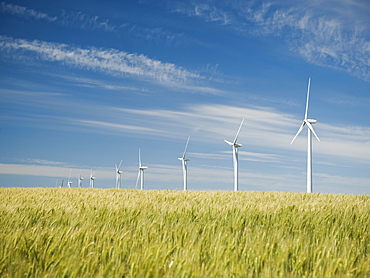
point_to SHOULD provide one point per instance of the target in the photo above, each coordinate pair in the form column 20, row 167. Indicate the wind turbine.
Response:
column 92, row 178
column 141, row 173
column 80, row 178
column 69, row 179
column 184, row 168
column 118, row 175
column 309, row 123
column 235, row 147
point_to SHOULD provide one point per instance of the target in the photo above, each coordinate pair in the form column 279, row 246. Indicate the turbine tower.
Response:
column 235, row 147
column 92, row 178
column 80, row 178
column 141, row 173
column 309, row 123
column 184, row 167
column 118, row 175
column 69, row 179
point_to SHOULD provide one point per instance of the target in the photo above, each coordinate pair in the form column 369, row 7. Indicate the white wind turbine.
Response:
column 184, row 167
column 80, row 178
column 92, row 178
column 118, row 175
column 69, row 179
column 235, row 147
column 141, row 173
column 309, row 123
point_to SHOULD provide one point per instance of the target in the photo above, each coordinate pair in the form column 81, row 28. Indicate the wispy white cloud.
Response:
column 264, row 128
column 115, row 126
column 57, row 170
column 94, row 83
column 221, row 122
column 209, row 12
column 343, row 184
column 321, row 40
column 335, row 39
column 24, row 12
column 41, row 161
column 83, row 21
column 243, row 155
column 70, row 18
column 86, row 21
column 109, row 61
column 201, row 177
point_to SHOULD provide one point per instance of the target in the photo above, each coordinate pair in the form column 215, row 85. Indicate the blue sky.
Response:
column 84, row 84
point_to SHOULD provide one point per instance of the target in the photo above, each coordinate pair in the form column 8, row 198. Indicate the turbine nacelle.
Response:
column 143, row 167
column 311, row 121
column 236, row 145
column 184, row 159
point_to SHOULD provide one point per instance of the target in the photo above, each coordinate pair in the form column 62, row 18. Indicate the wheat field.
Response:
column 60, row 232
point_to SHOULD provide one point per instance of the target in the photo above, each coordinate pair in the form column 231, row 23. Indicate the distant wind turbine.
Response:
column 141, row 173
column 235, row 147
column 309, row 123
column 184, row 167
column 80, row 178
column 118, row 175
column 92, row 178
column 69, row 179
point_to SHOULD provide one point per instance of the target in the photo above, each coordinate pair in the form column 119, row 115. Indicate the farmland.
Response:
column 59, row 232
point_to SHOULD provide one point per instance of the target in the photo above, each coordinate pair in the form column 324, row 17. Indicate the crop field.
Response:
column 60, row 232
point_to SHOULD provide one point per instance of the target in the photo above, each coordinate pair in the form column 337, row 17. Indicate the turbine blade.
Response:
column 237, row 134
column 139, row 159
column 137, row 180
column 186, row 146
column 299, row 131
column 228, row 142
column 119, row 166
column 313, row 131
column 308, row 96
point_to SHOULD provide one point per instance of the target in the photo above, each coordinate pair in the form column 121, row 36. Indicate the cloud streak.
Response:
column 264, row 128
column 327, row 41
column 109, row 61
column 85, row 21
column 25, row 12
